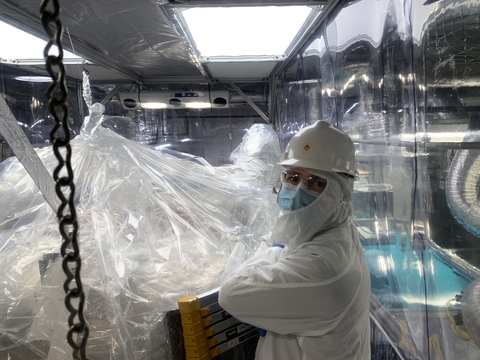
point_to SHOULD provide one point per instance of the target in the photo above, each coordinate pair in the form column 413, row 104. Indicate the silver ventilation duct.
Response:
column 451, row 28
column 471, row 311
column 463, row 185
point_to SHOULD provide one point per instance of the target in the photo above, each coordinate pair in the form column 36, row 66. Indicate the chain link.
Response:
column 64, row 186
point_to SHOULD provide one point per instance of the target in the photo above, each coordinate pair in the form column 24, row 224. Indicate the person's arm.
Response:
column 305, row 293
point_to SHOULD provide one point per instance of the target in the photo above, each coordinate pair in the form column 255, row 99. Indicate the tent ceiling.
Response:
column 139, row 40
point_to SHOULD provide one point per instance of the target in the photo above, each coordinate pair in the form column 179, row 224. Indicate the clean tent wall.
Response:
column 401, row 78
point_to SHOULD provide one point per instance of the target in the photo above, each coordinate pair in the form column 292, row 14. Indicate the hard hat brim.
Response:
column 309, row 164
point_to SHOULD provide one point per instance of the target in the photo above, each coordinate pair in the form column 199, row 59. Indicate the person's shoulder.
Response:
column 342, row 230
column 339, row 238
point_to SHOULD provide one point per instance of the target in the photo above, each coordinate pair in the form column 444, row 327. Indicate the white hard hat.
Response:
column 321, row 146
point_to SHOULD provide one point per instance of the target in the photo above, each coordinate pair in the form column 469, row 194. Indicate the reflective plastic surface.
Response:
column 401, row 78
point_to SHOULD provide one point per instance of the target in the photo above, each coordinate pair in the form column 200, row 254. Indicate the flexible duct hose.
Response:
column 451, row 28
column 462, row 187
column 471, row 310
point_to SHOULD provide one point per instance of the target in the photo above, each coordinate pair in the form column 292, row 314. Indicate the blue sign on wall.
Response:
column 186, row 94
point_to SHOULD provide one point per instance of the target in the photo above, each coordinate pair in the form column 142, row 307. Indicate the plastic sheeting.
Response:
column 152, row 227
column 139, row 41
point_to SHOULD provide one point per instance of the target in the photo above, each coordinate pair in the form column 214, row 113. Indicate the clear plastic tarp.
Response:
column 153, row 227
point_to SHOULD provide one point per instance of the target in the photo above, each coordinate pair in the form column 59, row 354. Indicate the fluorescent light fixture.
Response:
column 154, row 105
column 279, row 26
column 198, row 105
column 185, row 140
column 17, row 44
column 34, row 78
column 162, row 146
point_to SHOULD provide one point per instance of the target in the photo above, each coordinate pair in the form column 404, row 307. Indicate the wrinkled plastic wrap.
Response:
column 87, row 91
column 152, row 228
column 258, row 154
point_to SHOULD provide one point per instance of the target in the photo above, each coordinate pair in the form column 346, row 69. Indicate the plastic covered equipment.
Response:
column 152, row 228
column 258, row 154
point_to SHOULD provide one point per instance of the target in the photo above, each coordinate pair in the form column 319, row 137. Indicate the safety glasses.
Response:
column 312, row 182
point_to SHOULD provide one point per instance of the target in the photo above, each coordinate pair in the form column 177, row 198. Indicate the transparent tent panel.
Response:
column 394, row 84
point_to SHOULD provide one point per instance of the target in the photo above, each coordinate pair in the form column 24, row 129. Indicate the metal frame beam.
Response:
column 251, row 103
column 306, row 35
column 23, row 150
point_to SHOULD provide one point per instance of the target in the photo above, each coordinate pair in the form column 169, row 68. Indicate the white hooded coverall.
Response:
column 312, row 296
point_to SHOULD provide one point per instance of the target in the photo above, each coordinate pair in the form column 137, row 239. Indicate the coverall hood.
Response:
column 329, row 209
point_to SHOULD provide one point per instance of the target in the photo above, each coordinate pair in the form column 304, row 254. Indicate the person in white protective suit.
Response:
column 309, row 292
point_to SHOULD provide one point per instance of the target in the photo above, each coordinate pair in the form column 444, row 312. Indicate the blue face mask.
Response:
column 294, row 198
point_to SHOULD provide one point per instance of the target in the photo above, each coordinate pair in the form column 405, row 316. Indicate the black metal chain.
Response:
column 63, row 176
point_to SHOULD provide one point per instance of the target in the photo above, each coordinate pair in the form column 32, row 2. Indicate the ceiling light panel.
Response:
column 244, row 31
column 31, row 46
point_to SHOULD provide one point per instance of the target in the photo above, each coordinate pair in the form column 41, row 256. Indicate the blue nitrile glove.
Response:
column 262, row 332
